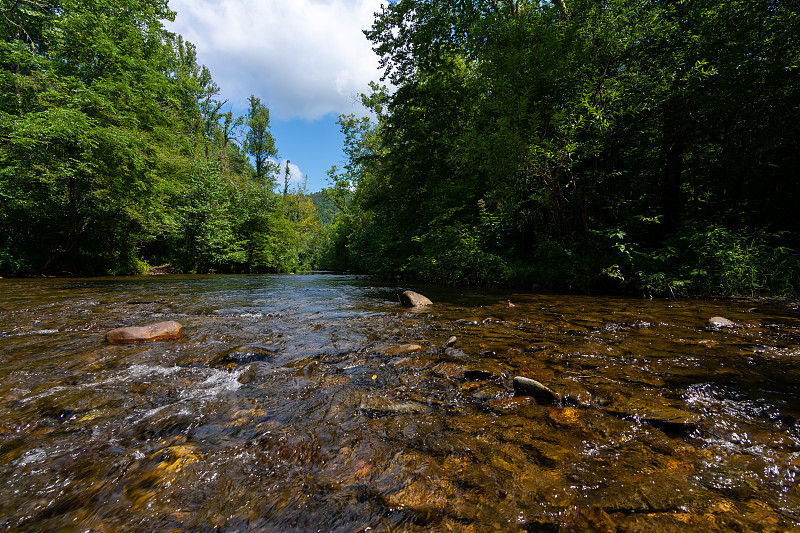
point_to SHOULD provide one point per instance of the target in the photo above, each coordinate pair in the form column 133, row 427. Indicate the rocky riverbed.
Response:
column 300, row 403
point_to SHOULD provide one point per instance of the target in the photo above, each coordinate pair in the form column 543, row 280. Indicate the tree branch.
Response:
column 562, row 6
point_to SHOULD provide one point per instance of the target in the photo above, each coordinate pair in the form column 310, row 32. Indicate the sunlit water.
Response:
column 288, row 406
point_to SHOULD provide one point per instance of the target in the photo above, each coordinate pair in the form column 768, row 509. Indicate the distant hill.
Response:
column 325, row 207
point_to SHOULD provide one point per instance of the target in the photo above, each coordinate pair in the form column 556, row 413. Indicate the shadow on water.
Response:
column 315, row 402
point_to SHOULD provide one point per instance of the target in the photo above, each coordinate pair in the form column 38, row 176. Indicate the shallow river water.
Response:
column 299, row 403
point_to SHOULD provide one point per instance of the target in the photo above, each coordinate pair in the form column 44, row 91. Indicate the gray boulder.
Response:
column 414, row 299
column 717, row 322
column 530, row 387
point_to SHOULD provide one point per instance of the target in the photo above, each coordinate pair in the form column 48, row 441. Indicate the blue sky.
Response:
column 306, row 59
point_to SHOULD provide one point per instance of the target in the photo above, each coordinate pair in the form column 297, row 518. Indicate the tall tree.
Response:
column 115, row 152
column 585, row 141
column 259, row 142
column 286, row 179
column 92, row 92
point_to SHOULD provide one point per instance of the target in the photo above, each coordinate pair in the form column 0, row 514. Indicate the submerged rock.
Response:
column 227, row 312
column 414, row 299
column 574, row 394
column 717, row 322
column 589, row 519
column 657, row 412
column 530, row 387
column 478, row 374
column 449, row 370
column 454, row 352
column 391, row 409
column 403, row 349
column 153, row 332
column 422, row 499
column 456, row 371
column 503, row 404
column 237, row 312
column 246, row 354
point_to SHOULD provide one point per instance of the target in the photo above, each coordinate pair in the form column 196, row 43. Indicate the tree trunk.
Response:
column 562, row 6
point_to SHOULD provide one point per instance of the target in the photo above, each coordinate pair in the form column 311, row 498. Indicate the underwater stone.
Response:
column 454, row 352
column 403, row 349
column 246, row 354
column 478, row 375
column 228, row 312
column 448, row 370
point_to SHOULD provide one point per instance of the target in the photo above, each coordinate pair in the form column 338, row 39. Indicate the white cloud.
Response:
column 303, row 58
column 296, row 176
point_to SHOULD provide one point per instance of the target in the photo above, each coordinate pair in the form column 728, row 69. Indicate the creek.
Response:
column 297, row 403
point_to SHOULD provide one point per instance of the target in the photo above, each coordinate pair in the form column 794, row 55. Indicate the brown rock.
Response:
column 448, row 370
column 662, row 413
column 403, row 349
column 414, row 299
column 153, row 332
column 594, row 519
column 509, row 403
column 567, row 417
column 423, row 499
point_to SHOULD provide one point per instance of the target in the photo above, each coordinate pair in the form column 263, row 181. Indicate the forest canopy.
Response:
column 116, row 152
column 644, row 146
column 647, row 146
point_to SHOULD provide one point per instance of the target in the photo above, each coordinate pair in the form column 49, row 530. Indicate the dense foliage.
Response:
column 115, row 153
column 638, row 145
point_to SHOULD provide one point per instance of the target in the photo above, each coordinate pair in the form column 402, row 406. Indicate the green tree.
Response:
column 582, row 144
column 259, row 142
column 115, row 152
column 352, row 187
column 88, row 94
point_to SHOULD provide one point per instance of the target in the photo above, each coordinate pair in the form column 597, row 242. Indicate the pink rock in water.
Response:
column 152, row 332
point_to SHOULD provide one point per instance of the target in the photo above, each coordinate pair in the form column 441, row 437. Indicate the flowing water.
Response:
column 299, row 403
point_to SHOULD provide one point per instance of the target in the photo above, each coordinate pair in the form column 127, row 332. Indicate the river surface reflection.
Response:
column 299, row 403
